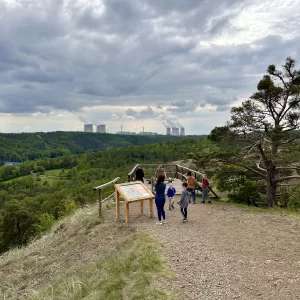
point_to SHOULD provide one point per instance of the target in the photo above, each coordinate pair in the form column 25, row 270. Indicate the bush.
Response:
column 248, row 194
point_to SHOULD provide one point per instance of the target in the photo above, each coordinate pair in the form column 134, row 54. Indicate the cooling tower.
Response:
column 101, row 128
column 175, row 131
column 182, row 132
column 168, row 131
column 88, row 128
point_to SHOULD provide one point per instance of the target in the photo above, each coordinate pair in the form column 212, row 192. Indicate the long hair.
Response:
column 160, row 179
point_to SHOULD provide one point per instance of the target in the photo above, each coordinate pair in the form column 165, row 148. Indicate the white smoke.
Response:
column 82, row 120
column 179, row 125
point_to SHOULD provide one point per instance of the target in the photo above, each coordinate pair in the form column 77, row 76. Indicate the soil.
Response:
column 226, row 252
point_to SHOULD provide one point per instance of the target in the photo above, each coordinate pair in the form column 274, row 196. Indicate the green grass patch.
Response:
column 55, row 172
column 125, row 273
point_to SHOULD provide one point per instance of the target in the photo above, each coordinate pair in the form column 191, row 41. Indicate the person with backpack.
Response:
column 139, row 174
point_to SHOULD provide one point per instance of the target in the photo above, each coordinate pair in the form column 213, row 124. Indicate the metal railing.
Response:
column 100, row 188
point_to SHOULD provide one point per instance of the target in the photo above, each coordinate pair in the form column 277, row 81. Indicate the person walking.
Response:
column 160, row 171
column 171, row 193
column 139, row 174
column 160, row 199
column 191, row 181
column 205, row 189
column 184, row 201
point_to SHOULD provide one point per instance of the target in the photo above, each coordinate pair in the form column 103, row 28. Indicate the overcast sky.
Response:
column 137, row 62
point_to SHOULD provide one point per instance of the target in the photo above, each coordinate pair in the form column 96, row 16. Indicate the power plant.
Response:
column 88, row 128
column 175, row 131
column 182, row 131
column 101, row 128
column 172, row 128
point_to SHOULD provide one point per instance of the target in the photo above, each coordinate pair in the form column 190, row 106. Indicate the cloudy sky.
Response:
column 137, row 62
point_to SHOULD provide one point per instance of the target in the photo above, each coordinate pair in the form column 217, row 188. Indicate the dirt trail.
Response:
column 225, row 252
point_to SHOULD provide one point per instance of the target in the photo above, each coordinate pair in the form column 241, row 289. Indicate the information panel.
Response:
column 134, row 191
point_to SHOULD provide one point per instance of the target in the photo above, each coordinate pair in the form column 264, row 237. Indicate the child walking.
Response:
column 170, row 193
column 184, row 202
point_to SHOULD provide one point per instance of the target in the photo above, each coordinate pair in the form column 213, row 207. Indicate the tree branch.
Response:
column 252, row 170
column 288, row 168
column 287, row 178
column 259, row 168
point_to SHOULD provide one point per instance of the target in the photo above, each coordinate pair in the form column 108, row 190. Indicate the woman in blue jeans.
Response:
column 160, row 198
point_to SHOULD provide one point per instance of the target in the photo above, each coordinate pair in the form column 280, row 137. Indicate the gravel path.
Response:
column 225, row 252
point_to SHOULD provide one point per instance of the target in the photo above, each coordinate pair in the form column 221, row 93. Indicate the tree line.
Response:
column 19, row 147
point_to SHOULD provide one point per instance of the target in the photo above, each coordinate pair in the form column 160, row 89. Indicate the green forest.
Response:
column 30, row 204
column 19, row 147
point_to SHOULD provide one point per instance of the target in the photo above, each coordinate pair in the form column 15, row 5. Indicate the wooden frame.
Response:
column 121, row 190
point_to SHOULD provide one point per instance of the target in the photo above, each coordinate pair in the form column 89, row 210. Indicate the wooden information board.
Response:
column 133, row 192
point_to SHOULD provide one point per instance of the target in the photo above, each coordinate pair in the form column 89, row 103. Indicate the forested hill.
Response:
column 24, row 146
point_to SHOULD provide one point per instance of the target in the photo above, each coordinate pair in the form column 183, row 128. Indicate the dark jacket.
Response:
column 139, row 174
column 160, row 190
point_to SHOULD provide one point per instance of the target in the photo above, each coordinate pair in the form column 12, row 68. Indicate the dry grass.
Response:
column 84, row 257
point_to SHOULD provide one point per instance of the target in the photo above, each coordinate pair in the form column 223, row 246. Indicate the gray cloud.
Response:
column 64, row 54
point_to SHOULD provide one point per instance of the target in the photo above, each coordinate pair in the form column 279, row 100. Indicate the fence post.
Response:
column 100, row 201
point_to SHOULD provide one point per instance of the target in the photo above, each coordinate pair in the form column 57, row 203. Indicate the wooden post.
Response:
column 126, row 212
column 152, row 184
column 151, row 207
column 142, row 206
column 117, row 205
column 100, row 201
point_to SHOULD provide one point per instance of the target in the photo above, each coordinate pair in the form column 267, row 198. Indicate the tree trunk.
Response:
column 271, row 187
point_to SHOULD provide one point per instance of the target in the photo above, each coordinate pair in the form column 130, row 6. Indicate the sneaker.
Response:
column 159, row 223
column 184, row 220
column 164, row 221
column 194, row 202
column 202, row 201
column 209, row 201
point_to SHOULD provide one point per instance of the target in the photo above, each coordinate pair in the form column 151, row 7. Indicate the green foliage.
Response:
column 45, row 222
column 48, row 199
column 18, row 220
column 267, row 122
column 236, row 181
column 218, row 133
column 70, row 207
column 247, row 193
column 29, row 146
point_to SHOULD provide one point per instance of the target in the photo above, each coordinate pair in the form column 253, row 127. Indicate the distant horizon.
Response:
column 137, row 133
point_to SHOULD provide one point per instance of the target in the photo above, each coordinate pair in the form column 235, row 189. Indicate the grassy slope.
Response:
column 85, row 258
